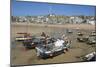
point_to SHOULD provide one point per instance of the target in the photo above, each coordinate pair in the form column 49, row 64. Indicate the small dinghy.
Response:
column 90, row 57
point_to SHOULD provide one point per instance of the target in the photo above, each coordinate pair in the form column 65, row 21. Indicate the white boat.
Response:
column 52, row 49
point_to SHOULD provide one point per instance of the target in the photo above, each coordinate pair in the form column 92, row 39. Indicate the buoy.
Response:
column 51, row 55
column 64, row 51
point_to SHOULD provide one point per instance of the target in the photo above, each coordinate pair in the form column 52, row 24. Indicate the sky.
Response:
column 36, row 8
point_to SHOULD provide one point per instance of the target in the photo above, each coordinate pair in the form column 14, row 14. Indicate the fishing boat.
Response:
column 53, row 48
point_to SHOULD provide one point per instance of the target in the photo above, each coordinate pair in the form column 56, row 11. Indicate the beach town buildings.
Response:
column 76, row 20
column 54, row 19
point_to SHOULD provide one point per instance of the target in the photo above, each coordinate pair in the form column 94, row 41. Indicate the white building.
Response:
column 91, row 22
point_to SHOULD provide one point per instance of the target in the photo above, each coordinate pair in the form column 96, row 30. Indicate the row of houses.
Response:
column 54, row 19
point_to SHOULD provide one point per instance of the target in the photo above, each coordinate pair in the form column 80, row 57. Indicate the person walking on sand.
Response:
column 45, row 38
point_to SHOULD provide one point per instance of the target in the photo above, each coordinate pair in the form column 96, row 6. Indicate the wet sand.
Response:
column 19, row 56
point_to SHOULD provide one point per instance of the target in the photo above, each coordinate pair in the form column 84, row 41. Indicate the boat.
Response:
column 90, row 57
column 53, row 48
column 23, row 37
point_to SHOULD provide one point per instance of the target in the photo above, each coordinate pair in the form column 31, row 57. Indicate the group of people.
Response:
column 64, row 40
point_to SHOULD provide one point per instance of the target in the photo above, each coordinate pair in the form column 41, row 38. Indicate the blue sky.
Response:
column 35, row 8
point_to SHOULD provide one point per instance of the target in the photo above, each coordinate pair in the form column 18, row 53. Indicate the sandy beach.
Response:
column 19, row 56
